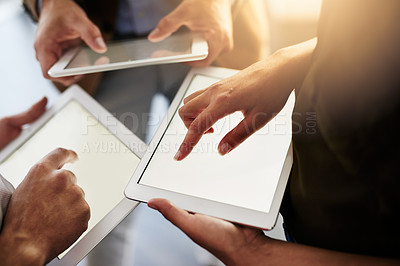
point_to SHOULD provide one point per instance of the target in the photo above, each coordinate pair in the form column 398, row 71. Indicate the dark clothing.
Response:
column 344, row 190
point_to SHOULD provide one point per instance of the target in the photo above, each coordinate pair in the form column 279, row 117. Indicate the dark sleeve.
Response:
column 6, row 190
column 32, row 8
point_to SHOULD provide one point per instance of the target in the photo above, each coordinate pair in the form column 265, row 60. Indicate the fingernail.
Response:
column 154, row 33
column 100, row 43
column 225, row 148
column 177, row 155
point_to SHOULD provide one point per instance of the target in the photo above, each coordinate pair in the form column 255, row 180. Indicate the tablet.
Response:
column 245, row 186
column 108, row 155
column 182, row 46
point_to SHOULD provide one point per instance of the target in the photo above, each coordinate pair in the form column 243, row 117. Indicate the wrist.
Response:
column 50, row 4
column 255, row 252
column 19, row 250
column 298, row 58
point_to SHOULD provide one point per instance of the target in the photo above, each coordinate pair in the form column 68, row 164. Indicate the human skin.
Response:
column 46, row 213
column 212, row 18
column 57, row 32
column 240, row 245
column 11, row 126
column 259, row 92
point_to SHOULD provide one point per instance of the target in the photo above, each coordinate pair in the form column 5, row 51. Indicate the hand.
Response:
column 62, row 25
column 212, row 18
column 46, row 213
column 11, row 127
column 259, row 92
column 240, row 245
column 232, row 244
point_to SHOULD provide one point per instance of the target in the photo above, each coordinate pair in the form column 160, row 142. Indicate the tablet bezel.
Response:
column 137, row 146
column 199, row 52
column 235, row 214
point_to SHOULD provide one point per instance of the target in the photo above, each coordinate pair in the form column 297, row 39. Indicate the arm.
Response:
column 46, row 213
column 213, row 18
column 63, row 24
column 259, row 92
column 240, row 245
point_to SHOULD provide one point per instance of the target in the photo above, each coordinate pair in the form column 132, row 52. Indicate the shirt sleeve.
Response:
column 6, row 190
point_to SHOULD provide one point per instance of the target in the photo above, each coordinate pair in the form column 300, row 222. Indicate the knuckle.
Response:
column 183, row 112
column 214, row 88
column 6, row 120
column 62, row 180
column 36, row 46
column 76, row 192
column 84, row 214
column 41, row 167
column 60, row 150
column 222, row 99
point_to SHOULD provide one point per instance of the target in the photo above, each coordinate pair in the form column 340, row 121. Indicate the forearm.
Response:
column 276, row 252
column 298, row 58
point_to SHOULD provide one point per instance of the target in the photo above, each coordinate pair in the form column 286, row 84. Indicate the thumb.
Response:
column 242, row 131
column 91, row 35
column 29, row 115
column 167, row 25
column 177, row 216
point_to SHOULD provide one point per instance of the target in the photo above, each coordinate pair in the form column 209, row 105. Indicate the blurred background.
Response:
column 290, row 22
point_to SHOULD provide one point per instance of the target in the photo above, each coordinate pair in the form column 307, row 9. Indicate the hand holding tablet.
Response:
column 245, row 186
column 182, row 46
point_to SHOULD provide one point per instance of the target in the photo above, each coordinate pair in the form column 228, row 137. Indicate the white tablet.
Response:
column 108, row 155
column 179, row 47
column 245, row 186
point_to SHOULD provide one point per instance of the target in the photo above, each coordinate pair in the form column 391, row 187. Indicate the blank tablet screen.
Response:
column 104, row 167
column 246, row 177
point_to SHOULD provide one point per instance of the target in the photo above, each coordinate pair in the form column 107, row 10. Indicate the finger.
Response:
column 193, row 95
column 242, row 131
column 30, row 115
column 167, row 25
column 70, row 175
column 192, row 108
column 47, row 58
column 59, row 157
column 177, row 216
column 91, row 35
column 213, row 52
column 197, row 129
column 193, row 225
column 68, row 81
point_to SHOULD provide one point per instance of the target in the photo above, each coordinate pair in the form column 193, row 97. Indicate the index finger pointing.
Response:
column 197, row 129
column 59, row 157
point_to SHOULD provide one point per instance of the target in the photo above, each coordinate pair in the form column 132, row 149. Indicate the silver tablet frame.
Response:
column 137, row 146
column 199, row 52
column 235, row 214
